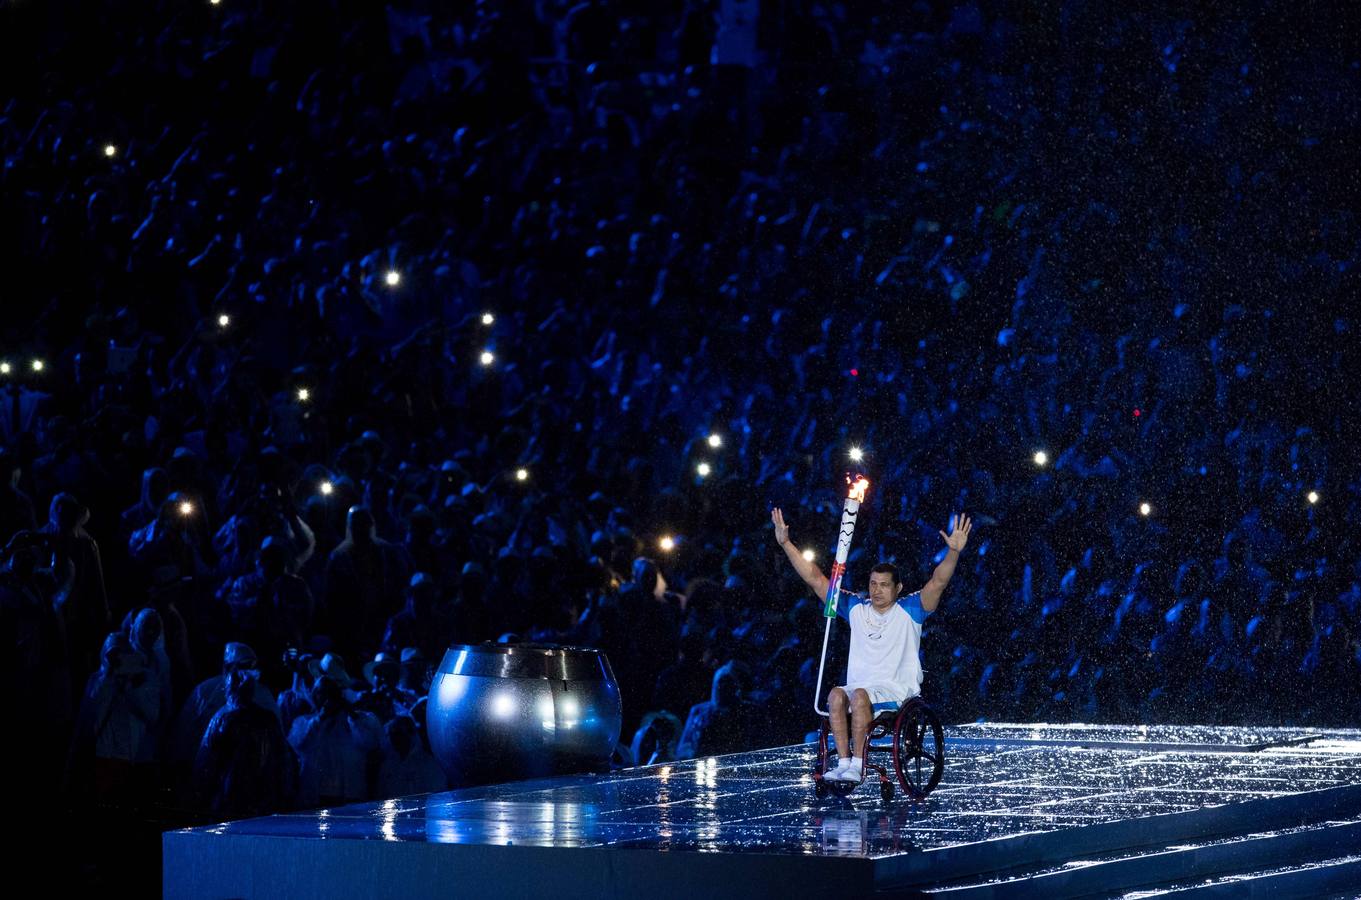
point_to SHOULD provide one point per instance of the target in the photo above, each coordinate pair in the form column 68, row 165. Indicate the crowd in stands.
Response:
column 366, row 330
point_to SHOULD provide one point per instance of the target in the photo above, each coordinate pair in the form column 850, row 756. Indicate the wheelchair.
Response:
column 917, row 752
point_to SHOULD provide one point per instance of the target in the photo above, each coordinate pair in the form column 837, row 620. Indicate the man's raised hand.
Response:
column 960, row 526
column 781, row 529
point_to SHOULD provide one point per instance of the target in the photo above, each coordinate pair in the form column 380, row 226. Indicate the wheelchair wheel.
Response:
column 918, row 749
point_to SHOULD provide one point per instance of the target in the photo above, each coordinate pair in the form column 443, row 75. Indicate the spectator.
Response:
column 334, row 745
column 210, row 695
column 408, row 766
column 364, row 579
column 244, row 766
column 721, row 724
column 120, row 705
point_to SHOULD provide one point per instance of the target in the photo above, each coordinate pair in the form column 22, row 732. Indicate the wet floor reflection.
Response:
column 763, row 801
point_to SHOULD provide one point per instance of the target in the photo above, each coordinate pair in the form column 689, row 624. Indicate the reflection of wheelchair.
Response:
column 918, row 752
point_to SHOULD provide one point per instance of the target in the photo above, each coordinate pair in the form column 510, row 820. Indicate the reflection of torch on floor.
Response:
column 854, row 497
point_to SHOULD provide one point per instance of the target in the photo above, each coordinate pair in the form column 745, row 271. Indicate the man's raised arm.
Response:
column 811, row 574
column 955, row 541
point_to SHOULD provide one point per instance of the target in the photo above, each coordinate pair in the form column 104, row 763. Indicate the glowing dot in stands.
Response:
column 304, row 394
column 667, row 543
column 392, row 278
column 857, row 454
column 224, row 320
column 110, row 150
column 703, row 469
column 521, row 474
column 1145, row 509
column 5, row 368
column 715, row 440
column 809, row 555
column 186, row 508
column 1041, row 458
column 1313, row 496
column 487, row 358
column 38, row 365
column 327, row 488
column 488, row 318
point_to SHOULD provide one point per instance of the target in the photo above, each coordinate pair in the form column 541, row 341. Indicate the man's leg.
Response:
column 837, row 705
column 862, row 714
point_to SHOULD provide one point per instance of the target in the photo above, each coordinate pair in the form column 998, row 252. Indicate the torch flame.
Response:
column 858, row 488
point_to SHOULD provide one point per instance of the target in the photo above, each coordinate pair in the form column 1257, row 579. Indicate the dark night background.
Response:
column 953, row 235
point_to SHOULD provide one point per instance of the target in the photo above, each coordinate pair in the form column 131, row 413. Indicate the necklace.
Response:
column 875, row 623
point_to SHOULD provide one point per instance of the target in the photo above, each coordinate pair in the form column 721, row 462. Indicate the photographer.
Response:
column 336, row 746
column 244, row 766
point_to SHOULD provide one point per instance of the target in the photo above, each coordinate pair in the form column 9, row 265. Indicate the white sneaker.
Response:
column 837, row 771
column 853, row 771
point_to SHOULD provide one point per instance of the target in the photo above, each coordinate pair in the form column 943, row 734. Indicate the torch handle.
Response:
column 822, row 664
column 849, row 513
column 833, row 598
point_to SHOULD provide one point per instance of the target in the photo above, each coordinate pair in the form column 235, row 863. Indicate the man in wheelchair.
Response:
column 883, row 669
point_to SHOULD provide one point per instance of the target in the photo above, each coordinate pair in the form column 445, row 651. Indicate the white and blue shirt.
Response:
column 885, row 649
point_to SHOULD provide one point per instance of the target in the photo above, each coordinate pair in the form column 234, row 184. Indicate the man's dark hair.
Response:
column 890, row 568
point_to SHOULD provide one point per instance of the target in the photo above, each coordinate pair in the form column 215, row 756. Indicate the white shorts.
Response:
column 882, row 696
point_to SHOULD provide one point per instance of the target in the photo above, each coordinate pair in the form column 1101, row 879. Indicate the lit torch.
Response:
column 854, row 497
column 849, row 512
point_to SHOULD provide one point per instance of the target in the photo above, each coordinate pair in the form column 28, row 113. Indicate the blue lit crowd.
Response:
column 348, row 332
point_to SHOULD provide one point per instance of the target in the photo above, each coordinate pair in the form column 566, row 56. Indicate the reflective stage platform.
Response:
column 1023, row 811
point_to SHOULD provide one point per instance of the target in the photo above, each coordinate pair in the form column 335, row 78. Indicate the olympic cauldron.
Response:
column 499, row 712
